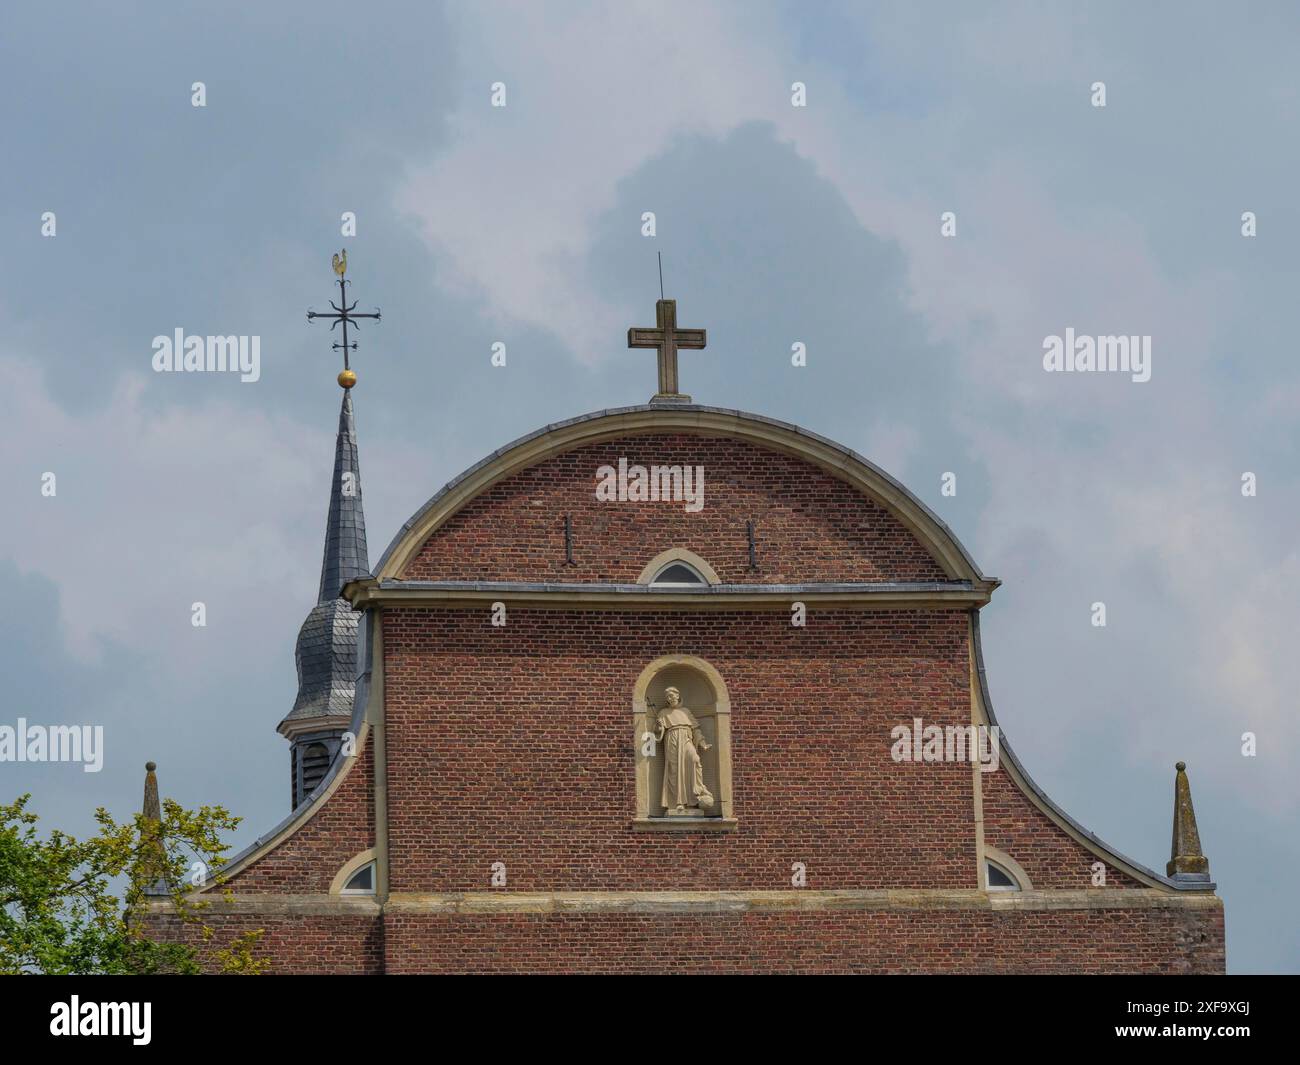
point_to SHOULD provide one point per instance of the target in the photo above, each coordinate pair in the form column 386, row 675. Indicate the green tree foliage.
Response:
column 71, row 906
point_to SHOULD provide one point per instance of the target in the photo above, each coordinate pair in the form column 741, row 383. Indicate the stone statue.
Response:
column 684, row 793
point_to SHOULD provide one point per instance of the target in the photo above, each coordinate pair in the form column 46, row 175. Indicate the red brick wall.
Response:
column 332, row 945
column 1051, row 858
column 1054, row 941
column 809, row 526
column 309, row 859
column 514, row 744
column 1058, row 941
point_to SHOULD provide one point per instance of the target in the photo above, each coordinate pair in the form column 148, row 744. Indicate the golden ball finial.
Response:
column 347, row 379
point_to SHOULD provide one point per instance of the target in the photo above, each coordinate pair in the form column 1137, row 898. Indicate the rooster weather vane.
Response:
column 345, row 313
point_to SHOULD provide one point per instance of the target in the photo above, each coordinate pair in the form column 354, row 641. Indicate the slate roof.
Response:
column 327, row 662
column 327, row 642
column 345, row 529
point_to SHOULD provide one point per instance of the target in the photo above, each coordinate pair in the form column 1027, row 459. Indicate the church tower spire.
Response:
column 326, row 653
column 345, row 529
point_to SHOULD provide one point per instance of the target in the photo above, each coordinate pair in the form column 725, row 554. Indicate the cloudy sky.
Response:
column 778, row 225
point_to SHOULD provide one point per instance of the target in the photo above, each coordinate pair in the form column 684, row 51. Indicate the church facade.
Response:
column 675, row 688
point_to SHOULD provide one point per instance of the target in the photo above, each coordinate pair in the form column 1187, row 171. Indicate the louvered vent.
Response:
column 315, row 762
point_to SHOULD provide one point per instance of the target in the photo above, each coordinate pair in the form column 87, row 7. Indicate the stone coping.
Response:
column 472, row 903
column 367, row 592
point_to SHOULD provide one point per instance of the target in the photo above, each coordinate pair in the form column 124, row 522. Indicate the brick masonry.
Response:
column 309, row 859
column 1122, row 941
column 1172, row 941
column 808, row 525
column 329, row 945
column 514, row 745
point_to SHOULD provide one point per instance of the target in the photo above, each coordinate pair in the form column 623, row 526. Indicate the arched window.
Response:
column 999, row 879
column 678, row 568
column 362, row 882
column 359, row 876
column 679, row 575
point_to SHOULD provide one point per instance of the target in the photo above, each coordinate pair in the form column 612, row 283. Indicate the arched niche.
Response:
column 704, row 692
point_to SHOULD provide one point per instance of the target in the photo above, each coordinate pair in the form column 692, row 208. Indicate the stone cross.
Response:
column 667, row 338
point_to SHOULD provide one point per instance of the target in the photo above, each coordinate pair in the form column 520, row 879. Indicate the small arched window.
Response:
column 999, row 879
column 678, row 568
column 678, row 575
column 362, row 882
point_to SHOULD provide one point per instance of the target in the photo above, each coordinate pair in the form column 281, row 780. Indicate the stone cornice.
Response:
column 706, row 902
column 888, row 899
column 959, row 595
column 287, row 904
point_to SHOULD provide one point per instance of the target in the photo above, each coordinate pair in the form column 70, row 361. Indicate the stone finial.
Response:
column 1186, row 862
column 153, row 857
column 152, row 808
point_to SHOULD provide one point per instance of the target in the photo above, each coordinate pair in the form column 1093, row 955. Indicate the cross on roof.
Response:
column 667, row 338
column 345, row 313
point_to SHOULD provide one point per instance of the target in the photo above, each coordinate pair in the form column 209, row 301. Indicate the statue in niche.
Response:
column 684, row 793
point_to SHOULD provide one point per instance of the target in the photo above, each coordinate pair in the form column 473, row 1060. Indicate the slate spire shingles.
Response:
column 345, row 530
column 327, row 643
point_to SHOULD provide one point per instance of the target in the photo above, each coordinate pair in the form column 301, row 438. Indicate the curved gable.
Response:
column 820, row 512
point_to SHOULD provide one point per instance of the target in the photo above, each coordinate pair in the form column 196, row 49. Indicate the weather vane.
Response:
column 343, row 312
